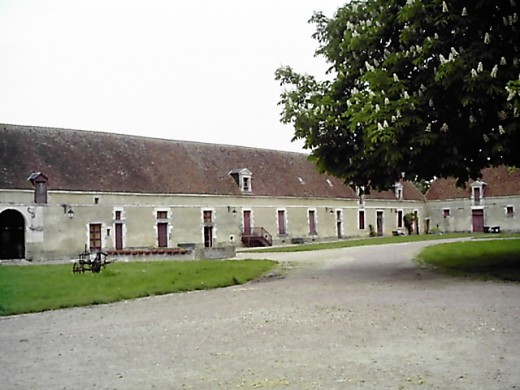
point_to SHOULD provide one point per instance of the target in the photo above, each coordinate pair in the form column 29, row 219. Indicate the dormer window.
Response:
column 243, row 179
column 246, row 184
column 360, row 191
column 40, row 183
column 476, row 195
column 399, row 191
column 477, row 192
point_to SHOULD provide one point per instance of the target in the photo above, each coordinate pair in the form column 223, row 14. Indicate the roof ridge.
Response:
column 189, row 142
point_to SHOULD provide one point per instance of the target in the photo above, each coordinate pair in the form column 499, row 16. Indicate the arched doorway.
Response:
column 12, row 235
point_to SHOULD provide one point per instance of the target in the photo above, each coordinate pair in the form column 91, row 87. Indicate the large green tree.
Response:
column 415, row 88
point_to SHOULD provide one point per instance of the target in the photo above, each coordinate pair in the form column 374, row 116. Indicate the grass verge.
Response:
column 362, row 242
column 485, row 259
column 35, row 288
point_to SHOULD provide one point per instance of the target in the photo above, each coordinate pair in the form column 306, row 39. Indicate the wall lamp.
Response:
column 232, row 210
column 68, row 211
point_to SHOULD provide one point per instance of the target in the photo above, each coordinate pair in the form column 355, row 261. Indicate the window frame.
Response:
column 281, row 222
column 95, row 229
column 312, row 222
column 400, row 219
column 362, row 219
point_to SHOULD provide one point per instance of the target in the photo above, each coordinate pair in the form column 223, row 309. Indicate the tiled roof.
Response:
column 95, row 161
column 500, row 181
column 410, row 192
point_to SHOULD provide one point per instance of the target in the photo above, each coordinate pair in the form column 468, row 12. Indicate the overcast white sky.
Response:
column 187, row 70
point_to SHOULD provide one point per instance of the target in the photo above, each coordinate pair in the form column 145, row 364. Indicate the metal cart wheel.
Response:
column 96, row 266
column 77, row 268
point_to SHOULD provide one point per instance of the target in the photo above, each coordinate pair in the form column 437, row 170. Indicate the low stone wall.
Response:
column 198, row 253
column 216, row 253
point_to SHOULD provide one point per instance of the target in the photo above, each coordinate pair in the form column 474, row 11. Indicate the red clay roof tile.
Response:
column 95, row 161
column 500, row 181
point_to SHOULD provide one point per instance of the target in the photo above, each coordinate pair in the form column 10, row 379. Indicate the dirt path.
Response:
column 341, row 319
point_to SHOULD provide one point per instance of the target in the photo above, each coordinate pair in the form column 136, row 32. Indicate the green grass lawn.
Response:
column 362, row 242
column 487, row 259
column 35, row 288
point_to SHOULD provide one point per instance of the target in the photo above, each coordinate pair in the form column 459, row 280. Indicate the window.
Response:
column 312, row 223
column 476, row 195
column 95, row 236
column 282, row 230
column 379, row 222
column 118, row 215
column 510, row 211
column 399, row 191
column 243, row 179
column 339, row 223
column 445, row 213
column 207, row 217
column 361, row 219
column 40, row 183
column 40, row 195
column 162, row 215
column 477, row 192
column 399, row 218
column 246, row 184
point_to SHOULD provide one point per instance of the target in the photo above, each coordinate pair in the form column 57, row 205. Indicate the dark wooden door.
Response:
column 208, row 236
column 281, row 222
column 379, row 223
column 162, row 234
column 247, row 222
column 12, row 235
column 119, row 236
column 339, row 224
column 95, row 236
column 312, row 223
column 477, row 220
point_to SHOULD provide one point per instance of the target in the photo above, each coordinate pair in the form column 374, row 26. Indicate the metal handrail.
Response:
column 258, row 232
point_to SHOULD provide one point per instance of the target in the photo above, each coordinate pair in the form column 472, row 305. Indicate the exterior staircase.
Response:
column 256, row 237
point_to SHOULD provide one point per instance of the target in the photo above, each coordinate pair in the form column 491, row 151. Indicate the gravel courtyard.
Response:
column 356, row 318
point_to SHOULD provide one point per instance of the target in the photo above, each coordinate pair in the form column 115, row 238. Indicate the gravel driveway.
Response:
column 365, row 317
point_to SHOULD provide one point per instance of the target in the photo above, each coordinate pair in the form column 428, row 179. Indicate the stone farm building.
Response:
column 62, row 191
column 489, row 204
